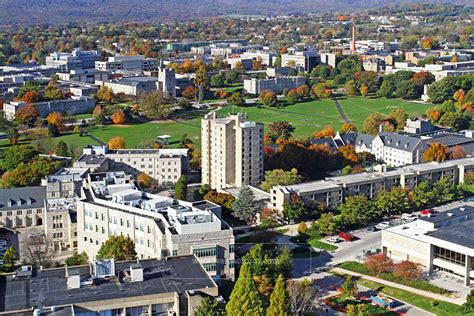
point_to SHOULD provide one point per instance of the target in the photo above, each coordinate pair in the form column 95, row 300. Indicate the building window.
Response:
column 205, row 252
column 175, row 252
column 231, row 264
column 231, row 248
column 209, row 266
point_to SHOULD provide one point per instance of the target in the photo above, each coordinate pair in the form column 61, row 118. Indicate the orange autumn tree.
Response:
column 31, row 96
column 144, row 180
column 189, row 93
column 116, row 142
column 55, row 118
column 434, row 114
column 348, row 151
column 118, row 117
column 427, row 43
column 325, row 132
column 436, row 152
column 407, row 270
column 379, row 263
column 459, row 96
column 457, row 153
column 27, row 114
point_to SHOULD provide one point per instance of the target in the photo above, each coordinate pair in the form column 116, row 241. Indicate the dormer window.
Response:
column 19, row 201
column 29, row 201
column 10, row 203
column 398, row 143
column 406, row 145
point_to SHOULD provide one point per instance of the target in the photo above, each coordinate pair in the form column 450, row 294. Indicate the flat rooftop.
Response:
column 92, row 159
column 460, row 234
column 450, row 214
column 49, row 287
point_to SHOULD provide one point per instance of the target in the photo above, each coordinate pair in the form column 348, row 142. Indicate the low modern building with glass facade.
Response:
column 442, row 241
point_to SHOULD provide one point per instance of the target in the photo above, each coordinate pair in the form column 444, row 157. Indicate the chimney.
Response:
column 380, row 128
column 353, row 43
column 136, row 272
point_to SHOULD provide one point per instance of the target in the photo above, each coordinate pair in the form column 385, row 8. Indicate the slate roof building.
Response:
column 22, row 207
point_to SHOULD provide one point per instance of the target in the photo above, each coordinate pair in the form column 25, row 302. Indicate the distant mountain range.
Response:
column 63, row 11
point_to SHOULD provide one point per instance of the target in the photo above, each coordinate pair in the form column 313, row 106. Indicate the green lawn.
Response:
column 358, row 108
column 313, row 242
column 418, row 284
column 431, row 305
column 306, row 117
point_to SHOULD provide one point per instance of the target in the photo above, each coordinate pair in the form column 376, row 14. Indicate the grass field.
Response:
column 358, row 108
column 306, row 117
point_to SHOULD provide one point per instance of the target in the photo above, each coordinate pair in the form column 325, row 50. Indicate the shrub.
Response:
column 378, row 263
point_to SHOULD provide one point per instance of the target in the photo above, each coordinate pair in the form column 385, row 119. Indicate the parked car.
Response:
column 409, row 217
column 371, row 229
column 384, row 225
column 334, row 239
column 426, row 212
column 346, row 236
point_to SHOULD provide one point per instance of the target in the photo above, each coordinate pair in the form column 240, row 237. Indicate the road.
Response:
column 347, row 251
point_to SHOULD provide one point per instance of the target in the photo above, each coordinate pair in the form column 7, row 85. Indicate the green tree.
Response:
column 327, row 224
column 293, row 209
column 245, row 298
column 444, row 191
column 208, row 306
column 357, row 210
column 181, row 189
column 468, row 306
column 395, row 201
column 350, row 286
column 372, row 123
column 231, row 76
column 279, row 299
column 400, row 116
column 259, row 262
column 283, row 263
column 201, row 81
column 62, row 149
column 245, row 207
column 406, row 90
column 77, row 259
column 9, row 258
column 423, row 195
column 119, row 248
column 155, row 106
column 16, row 155
column 217, row 80
column 387, row 89
column 236, row 99
column 280, row 177
column 53, row 93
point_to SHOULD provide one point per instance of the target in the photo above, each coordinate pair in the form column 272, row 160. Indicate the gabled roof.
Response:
column 22, row 198
column 364, row 139
column 400, row 141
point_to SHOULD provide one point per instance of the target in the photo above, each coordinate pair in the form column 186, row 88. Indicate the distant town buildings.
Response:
column 73, row 105
column 231, row 151
column 126, row 63
column 84, row 75
column 307, row 60
column 78, row 59
column 277, row 84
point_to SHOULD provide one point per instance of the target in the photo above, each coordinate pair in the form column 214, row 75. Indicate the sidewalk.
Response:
column 439, row 297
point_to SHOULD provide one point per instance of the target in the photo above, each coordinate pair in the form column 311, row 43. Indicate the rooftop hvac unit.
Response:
column 450, row 214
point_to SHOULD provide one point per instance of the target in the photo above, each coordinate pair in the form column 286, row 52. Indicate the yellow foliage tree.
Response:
column 56, row 119
column 116, row 142
column 144, row 180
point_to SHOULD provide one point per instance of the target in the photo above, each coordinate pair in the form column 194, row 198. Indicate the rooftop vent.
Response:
column 450, row 214
column 136, row 272
column 462, row 209
column 73, row 279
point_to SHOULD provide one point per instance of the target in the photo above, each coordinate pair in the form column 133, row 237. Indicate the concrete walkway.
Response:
column 439, row 297
column 341, row 110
